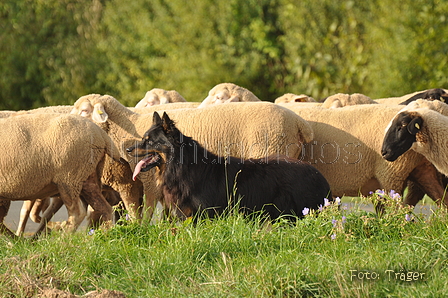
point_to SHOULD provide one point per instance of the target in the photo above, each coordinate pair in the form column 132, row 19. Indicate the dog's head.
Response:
column 156, row 146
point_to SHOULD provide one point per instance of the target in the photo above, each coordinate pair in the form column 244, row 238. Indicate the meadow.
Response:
column 337, row 252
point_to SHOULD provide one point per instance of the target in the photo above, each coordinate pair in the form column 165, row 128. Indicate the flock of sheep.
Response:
column 76, row 155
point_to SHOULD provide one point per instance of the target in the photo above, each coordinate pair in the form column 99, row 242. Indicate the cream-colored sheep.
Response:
column 291, row 97
column 6, row 114
column 47, row 154
column 257, row 130
column 116, row 175
column 64, row 109
column 435, row 105
column 32, row 209
column 226, row 93
column 346, row 149
column 159, row 96
column 171, row 106
column 340, row 100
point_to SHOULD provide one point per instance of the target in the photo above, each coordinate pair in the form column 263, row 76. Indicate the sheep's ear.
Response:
column 415, row 125
column 167, row 123
column 300, row 98
column 163, row 100
column 156, row 120
column 99, row 114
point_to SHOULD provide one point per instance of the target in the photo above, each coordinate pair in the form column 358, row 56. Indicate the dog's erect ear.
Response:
column 156, row 120
column 415, row 125
column 167, row 123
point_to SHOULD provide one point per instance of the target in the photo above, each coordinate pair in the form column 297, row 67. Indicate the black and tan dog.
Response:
column 194, row 179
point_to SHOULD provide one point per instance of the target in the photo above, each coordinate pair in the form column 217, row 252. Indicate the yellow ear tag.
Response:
column 100, row 112
column 417, row 126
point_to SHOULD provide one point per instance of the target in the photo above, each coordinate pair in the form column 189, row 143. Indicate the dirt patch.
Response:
column 55, row 293
column 104, row 294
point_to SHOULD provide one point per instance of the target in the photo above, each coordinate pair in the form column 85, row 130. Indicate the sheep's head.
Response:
column 220, row 97
column 154, row 97
column 401, row 134
column 291, row 97
column 86, row 107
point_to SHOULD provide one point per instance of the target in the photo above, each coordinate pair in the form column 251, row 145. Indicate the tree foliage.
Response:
column 53, row 51
column 45, row 51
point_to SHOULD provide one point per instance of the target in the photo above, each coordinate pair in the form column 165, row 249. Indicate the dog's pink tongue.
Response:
column 139, row 167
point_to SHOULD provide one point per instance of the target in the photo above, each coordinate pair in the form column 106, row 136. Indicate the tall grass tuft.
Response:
column 334, row 252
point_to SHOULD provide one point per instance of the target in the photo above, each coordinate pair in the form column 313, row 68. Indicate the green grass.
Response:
column 232, row 256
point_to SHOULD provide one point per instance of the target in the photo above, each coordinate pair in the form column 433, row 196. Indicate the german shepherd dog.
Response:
column 194, row 179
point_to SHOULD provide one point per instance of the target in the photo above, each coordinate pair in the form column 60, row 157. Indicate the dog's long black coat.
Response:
column 195, row 179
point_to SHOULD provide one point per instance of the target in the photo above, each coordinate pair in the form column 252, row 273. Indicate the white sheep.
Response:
column 340, row 100
column 47, row 154
column 256, row 130
column 171, row 106
column 346, row 149
column 226, row 93
column 32, row 209
column 435, row 105
column 421, row 129
column 115, row 174
column 291, row 97
column 157, row 96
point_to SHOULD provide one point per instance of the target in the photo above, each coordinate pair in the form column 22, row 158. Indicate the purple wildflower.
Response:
column 337, row 200
column 407, row 217
column 91, row 232
column 334, row 222
column 305, row 211
column 326, row 202
column 333, row 236
column 380, row 193
column 344, row 219
column 394, row 195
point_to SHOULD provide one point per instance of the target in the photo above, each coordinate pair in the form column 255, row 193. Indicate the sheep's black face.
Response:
column 401, row 135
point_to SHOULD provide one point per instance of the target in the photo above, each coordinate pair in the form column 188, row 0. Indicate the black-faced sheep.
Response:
column 43, row 154
column 346, row 149
column 226, row 93
column 429, row 94
column 270, row 130
column 159, row 96
column 422, row 130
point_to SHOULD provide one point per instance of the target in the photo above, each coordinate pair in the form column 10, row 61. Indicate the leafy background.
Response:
column 54, row 51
